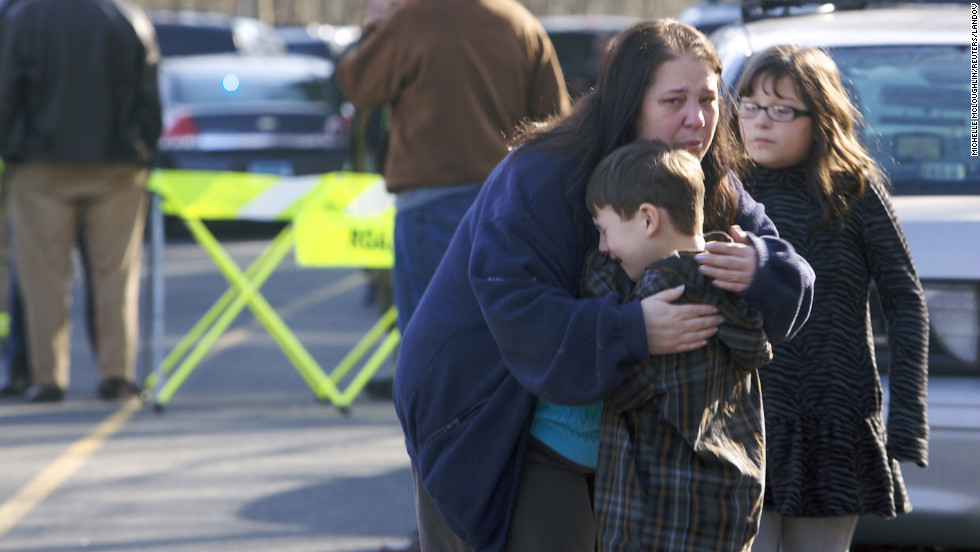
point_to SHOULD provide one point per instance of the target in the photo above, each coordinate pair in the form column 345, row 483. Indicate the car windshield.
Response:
column 183, row 40
column 579, row 53
column 237, row 87
column 915, row 101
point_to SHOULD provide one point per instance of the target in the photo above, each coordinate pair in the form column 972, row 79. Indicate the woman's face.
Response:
column 776, row 144
column 681, row 106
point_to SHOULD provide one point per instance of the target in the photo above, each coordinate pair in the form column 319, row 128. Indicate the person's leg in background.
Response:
column 43, row 203
column 818, row 534
column 6, row 254
column 805, row 534
column 15, row 356
column 113, row 217
column 83, row 257
column 770, row 528
column 425, row 221
column 18, row 374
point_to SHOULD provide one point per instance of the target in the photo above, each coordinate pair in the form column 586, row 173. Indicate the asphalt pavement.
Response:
column 241, row 458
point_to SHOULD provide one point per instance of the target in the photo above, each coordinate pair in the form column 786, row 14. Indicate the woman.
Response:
column 502, row 323
column 831, row 456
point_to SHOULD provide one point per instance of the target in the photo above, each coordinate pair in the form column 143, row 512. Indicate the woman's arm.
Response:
column 763, row 268
column 525, row 267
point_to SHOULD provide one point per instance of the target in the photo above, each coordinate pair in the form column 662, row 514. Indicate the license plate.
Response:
column 284, row 168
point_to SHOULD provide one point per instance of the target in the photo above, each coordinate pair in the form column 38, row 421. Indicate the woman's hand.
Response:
column 677, row 328
column 732, row 265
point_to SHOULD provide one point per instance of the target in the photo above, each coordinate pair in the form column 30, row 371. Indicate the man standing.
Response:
column 460, row 75
column 79, row 124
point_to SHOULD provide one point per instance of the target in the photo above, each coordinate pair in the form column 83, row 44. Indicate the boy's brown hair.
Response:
column 648, row 171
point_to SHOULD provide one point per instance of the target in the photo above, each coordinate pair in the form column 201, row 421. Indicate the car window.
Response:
column 578, row 54
column 243, row 87
column 183, row 40
column 915, row 101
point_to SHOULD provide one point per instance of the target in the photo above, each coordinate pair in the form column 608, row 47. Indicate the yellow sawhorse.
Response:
column 170, row 373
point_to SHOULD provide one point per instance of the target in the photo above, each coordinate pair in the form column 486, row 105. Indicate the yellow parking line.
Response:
column 32, row 494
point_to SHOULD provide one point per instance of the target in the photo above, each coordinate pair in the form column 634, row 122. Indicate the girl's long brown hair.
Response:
column 838, row 167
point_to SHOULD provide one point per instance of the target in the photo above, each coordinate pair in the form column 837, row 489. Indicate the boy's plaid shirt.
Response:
column 682, row 441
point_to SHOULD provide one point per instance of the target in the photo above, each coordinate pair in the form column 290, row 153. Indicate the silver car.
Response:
column 908, row 69
column 267, row 114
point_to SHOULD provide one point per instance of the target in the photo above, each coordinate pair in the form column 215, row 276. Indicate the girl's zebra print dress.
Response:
column 829, row 451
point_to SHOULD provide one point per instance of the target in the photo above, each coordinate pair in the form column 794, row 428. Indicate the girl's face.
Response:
column 775, row 144
column 680, row 108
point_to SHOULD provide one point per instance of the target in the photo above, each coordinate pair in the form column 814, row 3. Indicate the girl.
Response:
column 829, row 456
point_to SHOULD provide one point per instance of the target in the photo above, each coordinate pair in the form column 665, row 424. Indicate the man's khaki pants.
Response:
column 106, row 203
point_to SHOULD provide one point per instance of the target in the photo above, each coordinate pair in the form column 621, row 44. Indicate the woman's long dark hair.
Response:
column 607, row 117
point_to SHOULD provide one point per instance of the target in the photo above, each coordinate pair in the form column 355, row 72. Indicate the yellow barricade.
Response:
column 349, row 223
column 340, row 219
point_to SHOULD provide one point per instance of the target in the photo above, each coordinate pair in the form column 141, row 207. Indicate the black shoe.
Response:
column 112, row 389
column 413, row 545
column 44, row 394
column 15, row 388
column 380, row 388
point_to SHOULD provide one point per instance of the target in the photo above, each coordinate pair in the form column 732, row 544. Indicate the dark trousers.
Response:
column 553, row 511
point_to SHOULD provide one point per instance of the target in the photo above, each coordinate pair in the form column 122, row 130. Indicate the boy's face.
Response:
column 625, row 241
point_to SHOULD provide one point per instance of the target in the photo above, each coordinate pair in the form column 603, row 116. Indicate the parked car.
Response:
column 708, row 16
column 186, row 32
column 321, row 40
column 579, row 41
column 908, row 70
column 269, row 114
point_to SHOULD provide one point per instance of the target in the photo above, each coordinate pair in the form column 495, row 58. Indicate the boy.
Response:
column 682, row 445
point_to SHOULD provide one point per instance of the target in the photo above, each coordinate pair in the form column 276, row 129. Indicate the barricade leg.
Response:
column 366, row 372
column 244, row 290
column 309, row 370
column 382, row 326
column 213, row 324
column 223, row 312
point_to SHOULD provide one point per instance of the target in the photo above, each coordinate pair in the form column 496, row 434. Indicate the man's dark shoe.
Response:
column 113, row 389
column 413, row 545
column 44, row 394
column 15, row 388
column 380, row 388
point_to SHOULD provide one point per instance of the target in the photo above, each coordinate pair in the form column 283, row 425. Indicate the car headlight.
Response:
column 954, row 328
column 954, row 320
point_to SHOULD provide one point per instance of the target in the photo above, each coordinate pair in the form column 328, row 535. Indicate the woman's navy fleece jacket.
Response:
column 501, row 323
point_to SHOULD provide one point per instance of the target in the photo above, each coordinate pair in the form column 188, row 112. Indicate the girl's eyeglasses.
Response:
column 778, row 113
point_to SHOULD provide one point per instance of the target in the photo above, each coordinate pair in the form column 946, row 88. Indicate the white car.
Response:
column 192, row 32
column 908, row 69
